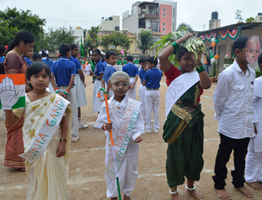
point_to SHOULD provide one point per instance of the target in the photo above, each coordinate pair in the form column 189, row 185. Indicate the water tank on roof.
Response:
column 110, row 18
column 259, row 13
column 214, row 15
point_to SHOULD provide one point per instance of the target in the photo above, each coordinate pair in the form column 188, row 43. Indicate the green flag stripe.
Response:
column 19, row 104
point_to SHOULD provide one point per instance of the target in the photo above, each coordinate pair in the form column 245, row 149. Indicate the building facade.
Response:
column 110, row 24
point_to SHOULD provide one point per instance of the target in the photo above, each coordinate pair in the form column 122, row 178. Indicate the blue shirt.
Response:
column 1, row 59
column 109, row 70
column 29, row 62
column 130, row 69
column 77, row 63
column 99, row 68
column 49, row 62
column 153, row 78
column 63, row 69
column 142, row 74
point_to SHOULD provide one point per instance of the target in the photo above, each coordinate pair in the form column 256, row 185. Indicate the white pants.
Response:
column 110, row 92
column 253, row 170
column 71, row 97
column 142, row 90
column 132, row 92
column 80, row 91
column 152, row 100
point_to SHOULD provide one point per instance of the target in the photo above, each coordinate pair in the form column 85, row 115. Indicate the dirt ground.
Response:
column 86, row 176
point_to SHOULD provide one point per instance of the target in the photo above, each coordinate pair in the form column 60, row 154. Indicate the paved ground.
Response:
column 86, row 177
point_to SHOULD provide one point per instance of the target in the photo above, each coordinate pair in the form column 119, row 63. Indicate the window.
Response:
column 116, row 28
column 164, row 29
column 164, row 15
column 134, row 10
column 164, row 10
column 164, row 24
column 173, row 12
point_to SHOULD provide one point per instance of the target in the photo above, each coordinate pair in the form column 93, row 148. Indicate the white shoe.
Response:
column 75, row 138
column 147, row 131
column 156, row 131
column 83, row 126
column 96, row 126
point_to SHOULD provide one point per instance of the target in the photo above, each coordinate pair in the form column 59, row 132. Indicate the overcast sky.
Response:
column 87, row 13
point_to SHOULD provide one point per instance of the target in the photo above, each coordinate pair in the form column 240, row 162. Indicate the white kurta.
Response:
column 97, row 102
column 127, row 172
column 253, row 171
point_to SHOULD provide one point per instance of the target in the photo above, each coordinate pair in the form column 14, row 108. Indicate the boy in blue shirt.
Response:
column 152, row 80
column 109, row 70
column 28, row 56
column 2, row 53
column 64, row 72
column 79, row 84
column 132, row 71
column 142, row 88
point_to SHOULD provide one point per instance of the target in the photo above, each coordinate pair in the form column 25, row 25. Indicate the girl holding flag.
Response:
column 46, row 136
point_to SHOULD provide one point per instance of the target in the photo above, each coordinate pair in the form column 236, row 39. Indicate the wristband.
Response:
column 62, row 139
column 175, row 45
column 66, row 92
column 104, row 126
column 200, row 69
column 56, row 90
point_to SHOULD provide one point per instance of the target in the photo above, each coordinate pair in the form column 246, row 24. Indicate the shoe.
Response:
column 147, row 131
column 75, row 138
column 156, row 131
column 96, row 126
column 83, row 126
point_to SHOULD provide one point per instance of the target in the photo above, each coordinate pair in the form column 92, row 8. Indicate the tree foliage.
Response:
column 238, row 16
column 6, row 33
column 91, row 41
column 145, row 40
column 115, row 40
column 250, row 20
column 187, row 26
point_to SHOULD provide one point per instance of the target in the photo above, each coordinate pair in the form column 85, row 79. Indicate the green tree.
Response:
column 6, row 33
column 250, row 20
column 187, row 26
column 91, row 41
column 145, row 40
column 17, row 20
column 238, row 16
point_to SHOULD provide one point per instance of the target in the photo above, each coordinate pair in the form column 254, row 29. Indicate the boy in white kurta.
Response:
column 120, row 107
column 253, row 171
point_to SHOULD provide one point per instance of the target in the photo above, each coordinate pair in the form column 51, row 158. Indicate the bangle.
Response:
column 175, row 45
column 104, row 126
column 200, row 69
column 66, row 92
column 56, row 90
column 62, row 139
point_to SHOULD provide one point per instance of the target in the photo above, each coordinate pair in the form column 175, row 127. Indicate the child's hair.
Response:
column 35, row 68
column 36, row 55
column 152, row 60
column 110, row 53
column 2, row 48
column 120, row 73
column 129, row 58
column 99, row 53
column 181, row 52
column 259, row 60
column 45, row 53
column 73, row 46
column 64, row 49
column 25, row 36
column 240, row 42
column 142, row 59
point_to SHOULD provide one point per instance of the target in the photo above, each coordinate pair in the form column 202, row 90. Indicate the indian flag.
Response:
column 11, row 88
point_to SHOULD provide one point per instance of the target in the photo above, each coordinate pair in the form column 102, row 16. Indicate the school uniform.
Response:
column 127, row 171
column 142, row 90
column 79, row 85
column 132, row 71
column 152, row 97
column 109, row 70
column 29, row 62
column 234, row 110
column 62, row 70
column 253, row 171
column 97, row 103
column 1, row 59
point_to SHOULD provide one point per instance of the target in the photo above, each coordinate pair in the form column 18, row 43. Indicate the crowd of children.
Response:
column 237, row 108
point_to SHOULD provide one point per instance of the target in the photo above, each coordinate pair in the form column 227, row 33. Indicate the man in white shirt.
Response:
column 234, row 110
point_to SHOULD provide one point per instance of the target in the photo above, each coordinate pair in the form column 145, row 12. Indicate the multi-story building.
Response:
column 159, row 16
column 110, row 24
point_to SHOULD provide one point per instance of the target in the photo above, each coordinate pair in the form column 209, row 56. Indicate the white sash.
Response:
column 178, row 87
column 47, row 130
column 123, row 136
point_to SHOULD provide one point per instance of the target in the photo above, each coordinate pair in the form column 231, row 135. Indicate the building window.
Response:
column 164, row 10
column 164, row 15
column 116, row 28
column 173, row 12
column 164, row 24
column 164, row 29
column 134, row 10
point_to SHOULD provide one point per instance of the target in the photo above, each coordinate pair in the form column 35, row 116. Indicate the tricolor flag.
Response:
column 12, row 91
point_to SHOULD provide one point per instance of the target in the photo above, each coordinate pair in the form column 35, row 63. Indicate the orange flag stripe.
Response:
column 18, row 79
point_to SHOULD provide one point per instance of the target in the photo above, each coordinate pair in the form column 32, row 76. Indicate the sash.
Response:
column 178, row 87
column 47, row 130
column 123, row 136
